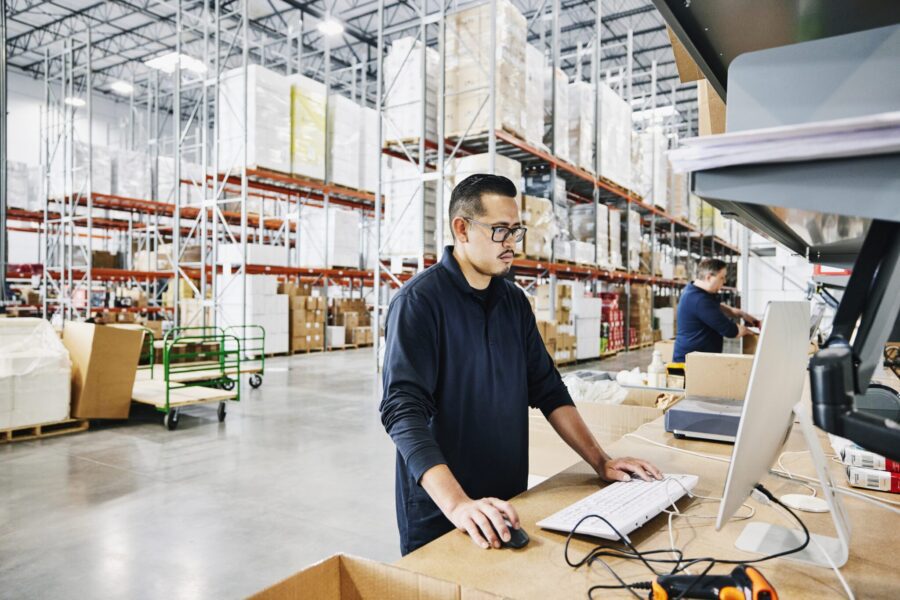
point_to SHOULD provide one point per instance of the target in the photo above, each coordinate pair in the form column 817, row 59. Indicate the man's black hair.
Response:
column 466, row 198
column 710, row 266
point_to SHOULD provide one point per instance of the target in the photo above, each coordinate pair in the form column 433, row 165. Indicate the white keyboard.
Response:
column 625, row 504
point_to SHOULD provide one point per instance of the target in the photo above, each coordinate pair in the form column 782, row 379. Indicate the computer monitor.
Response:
column 772, row 399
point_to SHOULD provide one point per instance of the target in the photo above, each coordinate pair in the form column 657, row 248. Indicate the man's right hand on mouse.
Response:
column 476, row 516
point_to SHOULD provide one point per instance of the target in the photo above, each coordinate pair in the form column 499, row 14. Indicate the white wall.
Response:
column 766, row 284
column 26, row 95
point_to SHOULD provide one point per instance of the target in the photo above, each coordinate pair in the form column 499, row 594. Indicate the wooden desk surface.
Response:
column 540, row 571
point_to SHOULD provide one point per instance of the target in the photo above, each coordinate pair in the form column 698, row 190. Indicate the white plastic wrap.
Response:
column 469, row 61
column 581, row 125
column 345, row 137
column 678, row 194
column 101, row 172
column 369, row 149
column 560, row 138
column 403, row 107
column 535, row 71
column 600, row 391
column 615, row 238
column 307, row 127
column 615, row 137
column 165, row 181
column 649, row 162
column 131, row 174
column 634, row 240
column 268, row 119
column 35, row 374
column 538, row 217
column 405, row 226
column 343, row 243
column 23, row 186
column 603, row 236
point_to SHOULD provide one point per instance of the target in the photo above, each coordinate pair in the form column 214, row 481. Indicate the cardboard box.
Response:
column 717, row 375
column 350, row 320
column 347, row 577
column 316, row 341
column 299, row 344
column 104, row 363
column 687, row 69
column 297, row 303
column 749, row 344
column 710, row 109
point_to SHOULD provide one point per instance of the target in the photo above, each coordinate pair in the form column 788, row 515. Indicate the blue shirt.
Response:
column 459, row 375
column 701, row 323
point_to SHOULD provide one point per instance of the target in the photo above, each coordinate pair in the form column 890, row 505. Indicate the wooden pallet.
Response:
column 307, row 351
column 43, row 430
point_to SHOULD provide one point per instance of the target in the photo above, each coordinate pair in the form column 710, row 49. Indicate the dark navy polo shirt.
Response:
column 701, row 323
column 459, row 375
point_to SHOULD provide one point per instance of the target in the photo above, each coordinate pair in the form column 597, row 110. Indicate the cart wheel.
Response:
column 255, row 380
column 222, row 412
column 171, row 420
column 227, row 385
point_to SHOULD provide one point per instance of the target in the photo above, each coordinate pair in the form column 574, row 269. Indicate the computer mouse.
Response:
column 517, row 537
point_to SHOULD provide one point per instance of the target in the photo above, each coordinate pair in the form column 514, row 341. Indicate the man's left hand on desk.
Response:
column 623, row 469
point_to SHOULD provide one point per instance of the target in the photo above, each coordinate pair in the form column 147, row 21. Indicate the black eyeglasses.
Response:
column 501, row 233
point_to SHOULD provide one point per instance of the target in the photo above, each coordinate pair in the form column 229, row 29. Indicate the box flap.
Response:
column 687, row 68
column 321, row 580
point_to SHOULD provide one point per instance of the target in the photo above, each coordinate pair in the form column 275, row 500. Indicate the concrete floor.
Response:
column 301, row 469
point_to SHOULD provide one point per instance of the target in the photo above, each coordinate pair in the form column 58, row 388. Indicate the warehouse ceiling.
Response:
column 126, row 33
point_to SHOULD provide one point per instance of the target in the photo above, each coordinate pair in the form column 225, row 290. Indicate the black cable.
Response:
column 681, row 563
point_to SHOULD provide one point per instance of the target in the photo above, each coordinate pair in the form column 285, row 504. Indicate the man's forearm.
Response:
column 572, row 429
column 444, row 489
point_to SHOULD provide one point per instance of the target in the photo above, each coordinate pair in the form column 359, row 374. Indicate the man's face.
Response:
column 717, row 281
column 487, row 256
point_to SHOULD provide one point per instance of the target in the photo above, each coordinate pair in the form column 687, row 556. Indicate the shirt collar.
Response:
column 496, row 288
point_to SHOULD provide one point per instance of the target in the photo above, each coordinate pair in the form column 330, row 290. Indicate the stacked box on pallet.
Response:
column 538, row 218
column 404, row 111
column 634, row 240
column 615, row 238
column 665, row 318
column 481, row 163
column 641, row 314
column 308, row 128
column 369, row 149
column 649, row 161
column 257, row 254
column 587, row 311
column 547, row 331
column 555, row 81
column 535, row 69
column 334, row 245
column 469, row 63
column 307, row 318
column 407, row 229
column 101, row 172
column 191, row 193
column 603, row 236
column 23, row 186
column 35, row 374
column 612, row 337
column 678, row 195
column 268, row 126
column 131, row 174
column 345, row 139
column 581, row 125
column 615, row 137
column 261, row 305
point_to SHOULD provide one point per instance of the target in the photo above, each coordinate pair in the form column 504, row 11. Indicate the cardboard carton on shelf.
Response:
column 104, row 364
column 343, row 577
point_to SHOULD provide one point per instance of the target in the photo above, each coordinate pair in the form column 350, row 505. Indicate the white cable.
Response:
column 783, row 468
column 882, row 502
column 667, row 447
column 834, row 568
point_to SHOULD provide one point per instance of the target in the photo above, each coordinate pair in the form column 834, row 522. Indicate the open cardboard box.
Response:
column 104, row 365
column 548, row 454
column 343, row 577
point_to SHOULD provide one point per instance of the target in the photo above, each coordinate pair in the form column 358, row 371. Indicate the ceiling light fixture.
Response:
column 123, row 88
column 330, row 27
column 73, row 101
column 167, row 63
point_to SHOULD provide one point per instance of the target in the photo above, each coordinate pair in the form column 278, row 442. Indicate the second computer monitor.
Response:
column 776, row 383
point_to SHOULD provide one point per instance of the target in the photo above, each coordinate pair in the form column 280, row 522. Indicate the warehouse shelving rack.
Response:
column 433, row 157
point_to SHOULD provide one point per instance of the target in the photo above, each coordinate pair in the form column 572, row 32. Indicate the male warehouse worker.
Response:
column 702, row 320
column 463, row 362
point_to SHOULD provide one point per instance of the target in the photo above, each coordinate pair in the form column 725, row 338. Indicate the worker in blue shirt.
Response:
column 703, row 321
column 463, row 363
